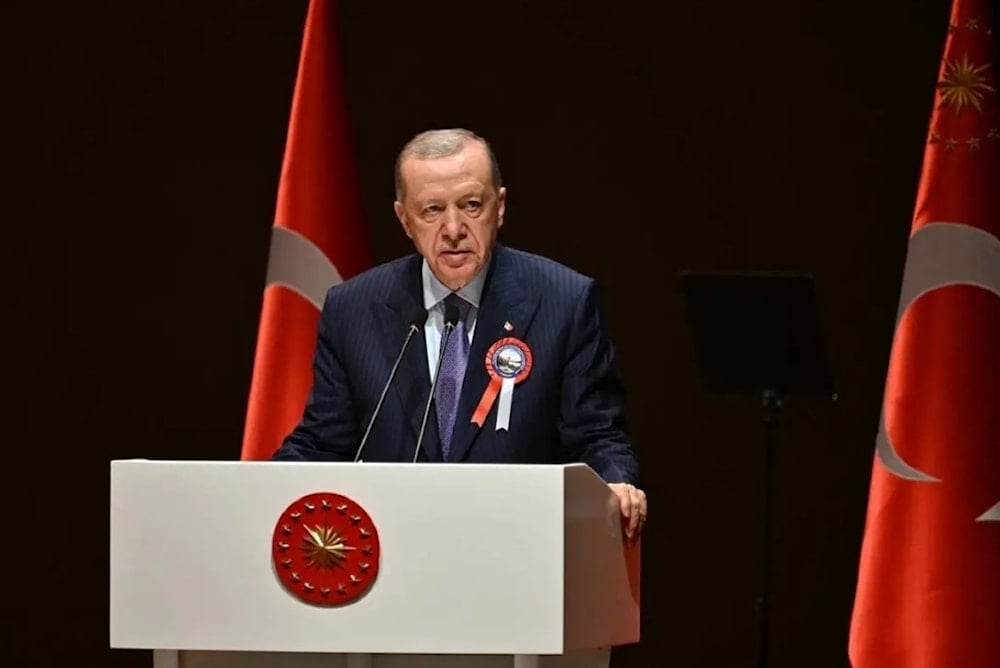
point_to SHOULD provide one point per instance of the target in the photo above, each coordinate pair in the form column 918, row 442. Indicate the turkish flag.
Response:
column 928, row 591
column 318, row 238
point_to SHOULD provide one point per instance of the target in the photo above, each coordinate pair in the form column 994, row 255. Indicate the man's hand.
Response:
column 633, row 505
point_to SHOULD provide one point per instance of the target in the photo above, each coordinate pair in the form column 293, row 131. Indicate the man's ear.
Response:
column 501, row 205
column 401, row 215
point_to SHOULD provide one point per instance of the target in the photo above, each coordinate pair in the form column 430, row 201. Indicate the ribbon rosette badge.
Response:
column 508, row 362
column 325, row 549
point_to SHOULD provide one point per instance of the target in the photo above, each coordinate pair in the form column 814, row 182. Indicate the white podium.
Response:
column 477, row 565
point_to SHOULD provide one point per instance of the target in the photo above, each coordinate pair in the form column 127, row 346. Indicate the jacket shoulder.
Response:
column 378, row 282
column 549, row 274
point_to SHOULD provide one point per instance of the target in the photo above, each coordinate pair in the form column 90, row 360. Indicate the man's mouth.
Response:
column 454, row 258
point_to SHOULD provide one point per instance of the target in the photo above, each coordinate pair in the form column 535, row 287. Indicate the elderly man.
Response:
column 527, row 371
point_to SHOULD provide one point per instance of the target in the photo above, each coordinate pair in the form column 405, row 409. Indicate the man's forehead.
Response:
column 463, row 186
column 471, row 157
column 450, row 172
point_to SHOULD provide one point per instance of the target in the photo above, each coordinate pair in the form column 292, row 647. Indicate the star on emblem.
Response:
column 324, row 547
column 964, row 84
column 973, row 142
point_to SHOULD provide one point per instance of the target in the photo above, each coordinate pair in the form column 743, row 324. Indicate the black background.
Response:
column 637, row 140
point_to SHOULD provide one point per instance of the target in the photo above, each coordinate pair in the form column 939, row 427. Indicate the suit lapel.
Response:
column 505, row 299
column 412, row 383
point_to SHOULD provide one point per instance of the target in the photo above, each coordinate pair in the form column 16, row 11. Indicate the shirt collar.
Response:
column 435, row 290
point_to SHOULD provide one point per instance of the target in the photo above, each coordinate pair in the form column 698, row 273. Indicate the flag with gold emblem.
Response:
column 928, row 590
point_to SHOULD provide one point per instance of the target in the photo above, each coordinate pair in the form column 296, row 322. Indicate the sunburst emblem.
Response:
column 964, row 84
column 324, row 547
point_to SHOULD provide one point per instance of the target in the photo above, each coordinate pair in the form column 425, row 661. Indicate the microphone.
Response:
column 416, row 322
column 451, row 316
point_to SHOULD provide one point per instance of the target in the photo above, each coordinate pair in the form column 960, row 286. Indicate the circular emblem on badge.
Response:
column 509, row 358
column 325, row 549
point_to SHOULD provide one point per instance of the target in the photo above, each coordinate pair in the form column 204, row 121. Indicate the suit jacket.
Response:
column 570, row 408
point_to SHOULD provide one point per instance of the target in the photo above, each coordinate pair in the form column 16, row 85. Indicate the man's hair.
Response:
column 441, row 144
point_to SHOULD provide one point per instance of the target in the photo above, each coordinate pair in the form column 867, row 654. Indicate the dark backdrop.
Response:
column 637, row 140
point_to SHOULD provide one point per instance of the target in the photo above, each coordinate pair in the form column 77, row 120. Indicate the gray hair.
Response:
column 441, row 144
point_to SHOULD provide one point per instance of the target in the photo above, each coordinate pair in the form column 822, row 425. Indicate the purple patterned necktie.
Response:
column 449, row 386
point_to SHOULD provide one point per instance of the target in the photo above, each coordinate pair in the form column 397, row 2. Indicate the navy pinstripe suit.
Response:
column 569, row 409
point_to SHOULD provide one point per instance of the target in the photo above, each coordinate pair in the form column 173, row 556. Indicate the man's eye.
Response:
column 473, row 204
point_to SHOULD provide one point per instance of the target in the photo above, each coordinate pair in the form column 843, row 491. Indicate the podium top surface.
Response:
column 427, row 472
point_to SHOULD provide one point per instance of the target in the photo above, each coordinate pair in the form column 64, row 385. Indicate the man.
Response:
column 528, row 373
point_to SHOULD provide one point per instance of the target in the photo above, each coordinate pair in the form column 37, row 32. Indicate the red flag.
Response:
column 318, row 238
column 928, row 592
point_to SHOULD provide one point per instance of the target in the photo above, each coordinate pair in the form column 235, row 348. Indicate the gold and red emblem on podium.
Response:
column 325, row 549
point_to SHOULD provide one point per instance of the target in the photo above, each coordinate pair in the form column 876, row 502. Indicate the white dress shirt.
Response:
column 434, row 293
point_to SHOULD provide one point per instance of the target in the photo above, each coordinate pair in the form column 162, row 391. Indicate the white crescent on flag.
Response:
column 940, row 255
column 298, row 264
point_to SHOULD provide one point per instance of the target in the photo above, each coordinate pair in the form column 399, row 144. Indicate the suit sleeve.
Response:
column 592, row 412
column 328, row 430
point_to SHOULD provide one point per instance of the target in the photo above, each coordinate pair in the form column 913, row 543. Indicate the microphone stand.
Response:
column 450, row 320
column 385, row 390
column 772, row 402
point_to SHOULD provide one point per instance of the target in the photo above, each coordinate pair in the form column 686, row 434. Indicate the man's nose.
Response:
column 453, row 224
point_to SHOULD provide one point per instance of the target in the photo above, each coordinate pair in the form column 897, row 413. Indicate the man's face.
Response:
column 452, row 211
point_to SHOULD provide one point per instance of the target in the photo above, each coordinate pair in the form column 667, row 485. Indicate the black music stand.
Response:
column 758, row 335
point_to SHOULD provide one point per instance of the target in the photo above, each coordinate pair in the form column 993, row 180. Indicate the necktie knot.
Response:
column 463, row 306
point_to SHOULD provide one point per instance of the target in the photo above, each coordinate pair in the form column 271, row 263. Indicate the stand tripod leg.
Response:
column 772, row 407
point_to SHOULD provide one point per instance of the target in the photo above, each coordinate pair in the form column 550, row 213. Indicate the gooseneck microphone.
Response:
column 416, row 322
column 451, row 316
